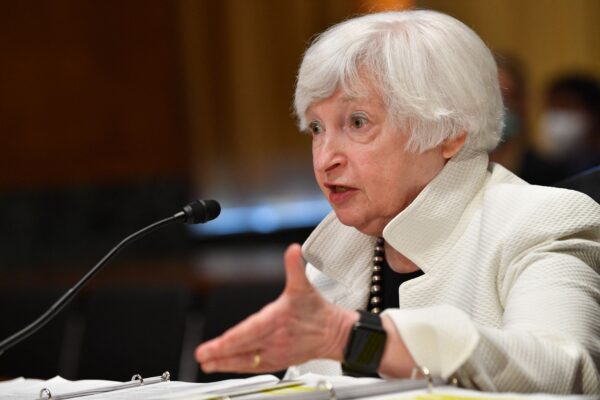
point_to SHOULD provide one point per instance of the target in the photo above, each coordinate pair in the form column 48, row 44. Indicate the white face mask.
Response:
column 564, row 131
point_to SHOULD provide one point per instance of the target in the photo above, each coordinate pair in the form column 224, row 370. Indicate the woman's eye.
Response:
column 315, row 128
column 358, row 121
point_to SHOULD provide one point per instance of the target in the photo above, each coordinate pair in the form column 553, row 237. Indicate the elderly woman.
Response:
column 479, row 276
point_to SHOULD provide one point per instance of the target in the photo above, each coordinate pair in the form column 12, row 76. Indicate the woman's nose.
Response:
column 328, row 154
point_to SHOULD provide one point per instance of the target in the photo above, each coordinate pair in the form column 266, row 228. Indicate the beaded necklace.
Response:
column 384, row 279
column 376, row 292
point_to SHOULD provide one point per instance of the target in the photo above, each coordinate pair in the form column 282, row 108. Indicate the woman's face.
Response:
column 360, row 161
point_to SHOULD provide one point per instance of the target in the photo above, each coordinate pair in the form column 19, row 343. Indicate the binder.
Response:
column 136, row 380
column 327, row 391
column 322, row 390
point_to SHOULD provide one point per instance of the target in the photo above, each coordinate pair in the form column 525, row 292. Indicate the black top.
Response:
column 391, row 284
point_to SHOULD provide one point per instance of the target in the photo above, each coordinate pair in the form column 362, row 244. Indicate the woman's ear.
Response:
column 452, row 145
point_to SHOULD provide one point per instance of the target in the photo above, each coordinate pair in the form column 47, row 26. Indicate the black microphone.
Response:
column 198, row 211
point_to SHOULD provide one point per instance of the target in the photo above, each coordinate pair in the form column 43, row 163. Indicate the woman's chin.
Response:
column 360, row 223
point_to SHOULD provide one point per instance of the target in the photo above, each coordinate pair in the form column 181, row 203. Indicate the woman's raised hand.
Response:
column 299, row 326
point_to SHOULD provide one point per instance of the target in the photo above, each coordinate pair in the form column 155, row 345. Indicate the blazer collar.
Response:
column 436, row 218
column 340, row 251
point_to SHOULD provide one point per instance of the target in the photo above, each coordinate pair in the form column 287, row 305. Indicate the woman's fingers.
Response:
column 239, row 339
column 245, row 362
column 289, row 330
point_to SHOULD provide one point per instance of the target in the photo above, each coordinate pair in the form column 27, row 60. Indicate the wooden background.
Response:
column 104, row 91
column 90, row 92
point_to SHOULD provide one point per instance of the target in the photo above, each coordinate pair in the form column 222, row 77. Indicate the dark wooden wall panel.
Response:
column 90, row 91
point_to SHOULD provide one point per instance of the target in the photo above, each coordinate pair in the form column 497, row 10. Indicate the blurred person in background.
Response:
column 569, row 129
column 432, row 257
column 513, row 140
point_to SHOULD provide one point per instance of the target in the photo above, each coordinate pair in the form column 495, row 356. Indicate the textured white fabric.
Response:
column 510, row 296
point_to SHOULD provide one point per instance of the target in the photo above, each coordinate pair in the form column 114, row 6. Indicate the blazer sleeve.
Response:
column 549, row 340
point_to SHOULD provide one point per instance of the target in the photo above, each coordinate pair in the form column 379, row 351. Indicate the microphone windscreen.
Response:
column 201, row 211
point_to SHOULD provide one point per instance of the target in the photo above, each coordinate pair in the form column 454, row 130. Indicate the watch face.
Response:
column 367, row 347
column 364, row 352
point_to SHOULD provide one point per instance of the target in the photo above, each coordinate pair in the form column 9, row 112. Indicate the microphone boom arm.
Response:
column 70, row 294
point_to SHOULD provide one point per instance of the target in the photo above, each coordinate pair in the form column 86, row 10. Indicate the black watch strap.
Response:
column 364, row 349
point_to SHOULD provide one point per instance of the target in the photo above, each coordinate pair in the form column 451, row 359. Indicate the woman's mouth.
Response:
column 340, row 189
column 339, row 193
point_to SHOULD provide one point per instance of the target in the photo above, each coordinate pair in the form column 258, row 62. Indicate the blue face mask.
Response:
column 512, row 125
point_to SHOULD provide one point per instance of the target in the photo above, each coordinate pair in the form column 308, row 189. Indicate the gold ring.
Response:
column 256, row 360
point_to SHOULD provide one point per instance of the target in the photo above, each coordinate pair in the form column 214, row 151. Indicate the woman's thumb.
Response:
column 295, row 275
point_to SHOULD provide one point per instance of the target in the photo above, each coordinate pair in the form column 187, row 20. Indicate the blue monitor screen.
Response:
column 266, row 217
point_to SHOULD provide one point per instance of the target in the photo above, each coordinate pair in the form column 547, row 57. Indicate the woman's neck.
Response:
column 397, row 261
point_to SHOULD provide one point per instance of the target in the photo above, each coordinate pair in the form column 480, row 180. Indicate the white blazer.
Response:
column 510, row 296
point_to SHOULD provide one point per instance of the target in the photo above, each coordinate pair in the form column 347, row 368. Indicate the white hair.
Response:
column 435, row 75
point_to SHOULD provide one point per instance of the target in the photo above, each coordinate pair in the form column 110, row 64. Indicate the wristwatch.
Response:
column 365, row 347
